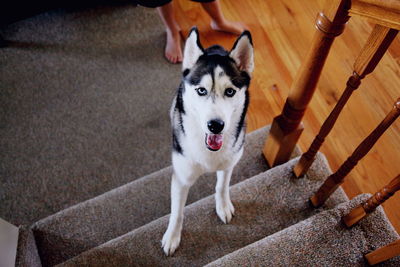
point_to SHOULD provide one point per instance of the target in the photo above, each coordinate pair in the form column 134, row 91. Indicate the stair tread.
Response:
column 88, row 224
column 264, row 204
column 321, row 240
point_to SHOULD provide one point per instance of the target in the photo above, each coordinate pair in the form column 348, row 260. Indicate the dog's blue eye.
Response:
column 201, row 91
column 229, row 92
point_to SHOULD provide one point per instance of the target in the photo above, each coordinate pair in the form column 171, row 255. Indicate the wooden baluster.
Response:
column 372, row 203
column 287, row 127
column 384, row 253
column 375, row 47
column 334, row 180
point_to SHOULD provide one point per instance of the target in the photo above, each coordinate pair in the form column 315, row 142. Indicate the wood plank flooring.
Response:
column 282, row 31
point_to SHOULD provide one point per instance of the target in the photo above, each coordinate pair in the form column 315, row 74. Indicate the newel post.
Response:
column 287, row 127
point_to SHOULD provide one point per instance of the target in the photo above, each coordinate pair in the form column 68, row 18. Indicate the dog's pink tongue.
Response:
column 214, row 141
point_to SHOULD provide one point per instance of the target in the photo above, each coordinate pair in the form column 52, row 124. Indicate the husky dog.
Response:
column 208, row 124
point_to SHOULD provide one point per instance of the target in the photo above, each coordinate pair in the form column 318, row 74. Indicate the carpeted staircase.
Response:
column 69, row 114
column 321, row 240
column 117, row 212
column 274, row 223
column 265, row 203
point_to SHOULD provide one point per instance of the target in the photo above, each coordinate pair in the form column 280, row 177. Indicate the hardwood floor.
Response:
column 282, row 31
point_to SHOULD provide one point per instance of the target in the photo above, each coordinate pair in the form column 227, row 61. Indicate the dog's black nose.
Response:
column 215, row 126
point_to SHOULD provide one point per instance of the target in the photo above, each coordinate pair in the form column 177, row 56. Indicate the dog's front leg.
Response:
column 224, row 206
column 172, row 236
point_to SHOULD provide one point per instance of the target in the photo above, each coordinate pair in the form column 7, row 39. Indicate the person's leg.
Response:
column 173, row 49
column 218, row 21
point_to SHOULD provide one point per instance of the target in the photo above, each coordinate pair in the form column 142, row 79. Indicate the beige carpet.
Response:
column 84, row 106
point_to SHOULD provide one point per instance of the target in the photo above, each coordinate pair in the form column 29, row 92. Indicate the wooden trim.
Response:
column 386, row 13
column 384, row 253
column 376, row 46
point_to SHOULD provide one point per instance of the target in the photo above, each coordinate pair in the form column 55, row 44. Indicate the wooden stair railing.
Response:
column 287, row 127
column 384, row 253
column 337, row 178
column 359, row 212
column 375, row 47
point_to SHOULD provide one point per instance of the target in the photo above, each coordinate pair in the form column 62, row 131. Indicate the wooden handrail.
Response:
column 359, row 212
column 287, row 127
column 385, row 13
column 334, row 180
column 384, row 253
column 375, row 47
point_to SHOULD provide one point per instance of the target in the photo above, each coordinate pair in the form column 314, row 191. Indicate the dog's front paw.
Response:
column 225, row 210
column 170, row 242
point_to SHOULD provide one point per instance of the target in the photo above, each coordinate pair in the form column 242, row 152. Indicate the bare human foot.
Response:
column 173, row 49
column 228, row 26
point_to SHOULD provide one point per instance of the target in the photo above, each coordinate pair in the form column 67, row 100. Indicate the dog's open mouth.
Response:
column 214, row 141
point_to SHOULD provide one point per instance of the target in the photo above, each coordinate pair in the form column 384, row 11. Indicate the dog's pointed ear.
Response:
column 193, row 49
column 242, row 52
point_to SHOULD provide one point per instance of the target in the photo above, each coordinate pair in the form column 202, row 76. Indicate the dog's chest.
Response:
column 214, row 161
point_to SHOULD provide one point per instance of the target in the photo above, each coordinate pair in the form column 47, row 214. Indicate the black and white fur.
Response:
column 214, row 89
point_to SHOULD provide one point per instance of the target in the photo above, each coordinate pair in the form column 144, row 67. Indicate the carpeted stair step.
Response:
column 119, row 211
column 27, row 253
column 264, row 204
column 321, row 240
